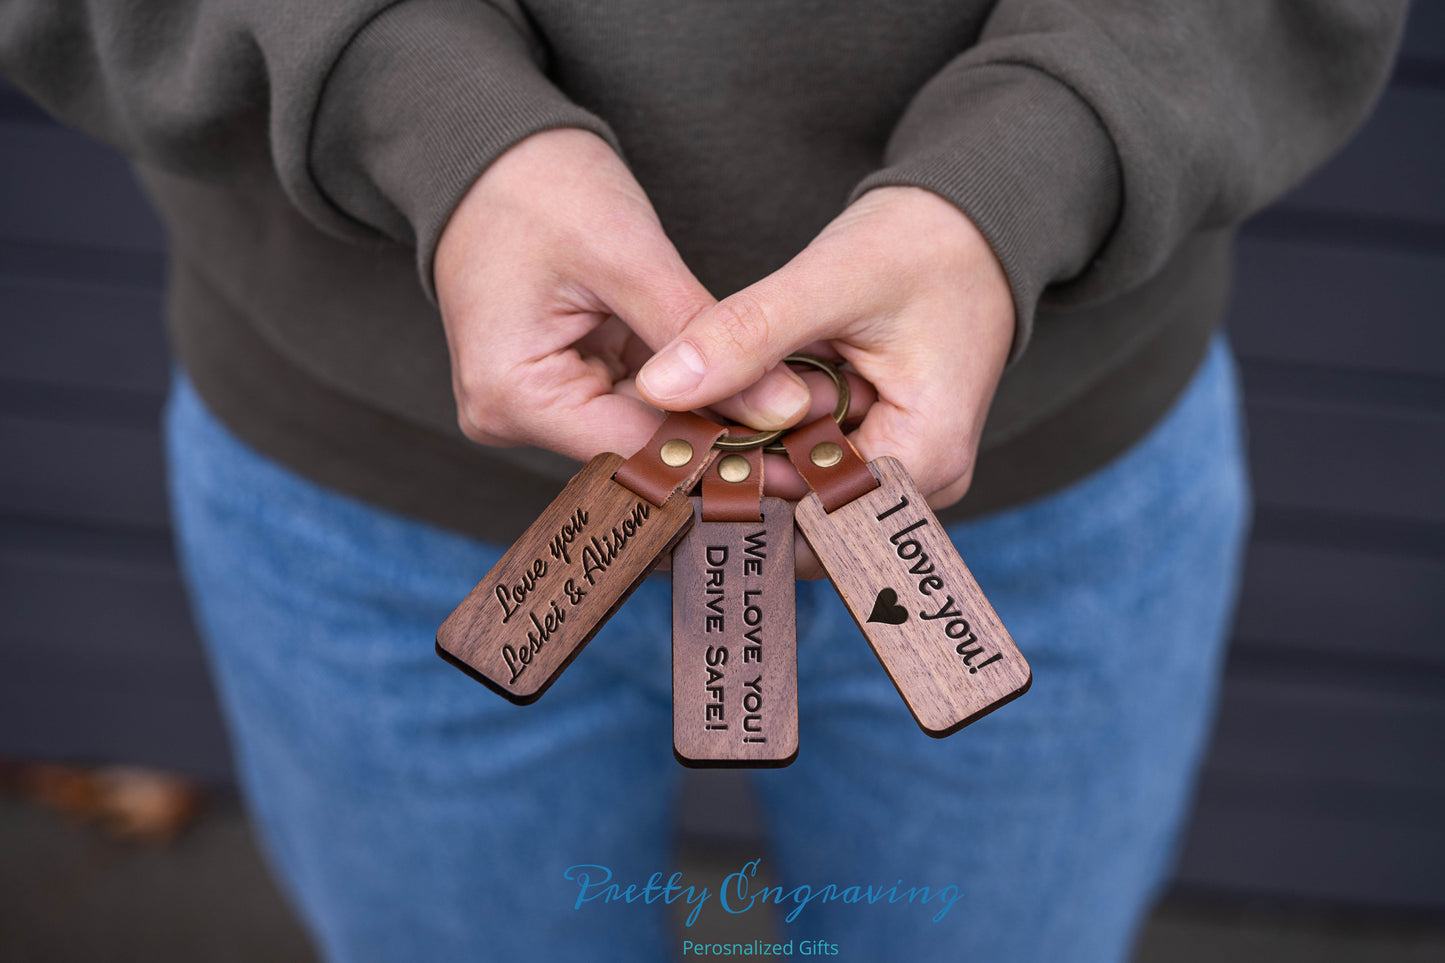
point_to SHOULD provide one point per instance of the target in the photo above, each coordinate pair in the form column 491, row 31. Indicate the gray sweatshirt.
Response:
column 305, row 157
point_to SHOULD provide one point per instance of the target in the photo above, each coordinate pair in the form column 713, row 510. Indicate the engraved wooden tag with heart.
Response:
column 903, row 582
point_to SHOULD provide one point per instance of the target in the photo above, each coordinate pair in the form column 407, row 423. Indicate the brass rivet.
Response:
column 826, row 454
column 734, row 468
column 675, row 453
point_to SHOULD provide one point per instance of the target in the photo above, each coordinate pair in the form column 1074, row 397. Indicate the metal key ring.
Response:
column 766, row 439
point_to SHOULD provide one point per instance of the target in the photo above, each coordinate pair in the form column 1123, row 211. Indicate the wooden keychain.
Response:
column 734, row 636
column 734, row 614
column 903, row 582
column 550, row 593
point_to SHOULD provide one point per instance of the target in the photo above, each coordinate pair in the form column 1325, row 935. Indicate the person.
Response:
column 425, row 254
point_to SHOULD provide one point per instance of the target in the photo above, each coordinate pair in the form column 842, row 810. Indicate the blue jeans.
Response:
column 413, row 815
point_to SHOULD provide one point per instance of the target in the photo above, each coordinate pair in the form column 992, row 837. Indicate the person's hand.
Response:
column 903, row 287
column 553, row 277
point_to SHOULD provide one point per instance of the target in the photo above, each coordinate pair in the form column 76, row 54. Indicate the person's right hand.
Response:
column 555, row 281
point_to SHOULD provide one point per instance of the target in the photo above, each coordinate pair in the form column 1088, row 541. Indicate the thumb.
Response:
column 654, row 293
column 730, row 346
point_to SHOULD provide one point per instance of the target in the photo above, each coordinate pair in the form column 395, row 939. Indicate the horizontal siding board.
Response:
column 1260, row 837
column 98, row 657
column 1425, row 31
column 1336, row 796
column 60, row 186
column 1338, row 387
column 104, row 474
column 1326, row 304
column 54, row 711
column 1322, row 790
column 1343, row 604
column 101, row 612
column 82, row 335
column 1392, row 168
column 1277, row 724
column 37, row 261
column 1374, row 463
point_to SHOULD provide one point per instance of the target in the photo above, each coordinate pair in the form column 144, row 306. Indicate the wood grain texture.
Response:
column 535, row 610
column 734, row 642
column 916, row 603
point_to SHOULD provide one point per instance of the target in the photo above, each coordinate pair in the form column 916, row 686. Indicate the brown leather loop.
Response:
column 729, row 501
column 649, row 476
column 837, row 484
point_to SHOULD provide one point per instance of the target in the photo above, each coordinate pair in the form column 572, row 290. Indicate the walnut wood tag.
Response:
column 550, row 593
column 734, row 641
column 915, row 601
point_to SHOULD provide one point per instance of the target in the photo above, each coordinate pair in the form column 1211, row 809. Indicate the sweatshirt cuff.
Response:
column 421, row 101
column 1026, row 160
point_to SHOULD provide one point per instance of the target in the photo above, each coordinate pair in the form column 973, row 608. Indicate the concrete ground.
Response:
column 68, row 893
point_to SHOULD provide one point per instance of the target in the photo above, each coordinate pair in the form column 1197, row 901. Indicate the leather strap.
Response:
column 734, row 501
column 647, row 474
column 837, row 484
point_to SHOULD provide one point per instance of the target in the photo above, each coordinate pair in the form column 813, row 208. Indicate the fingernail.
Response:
column 777, row 399
column 677, row 369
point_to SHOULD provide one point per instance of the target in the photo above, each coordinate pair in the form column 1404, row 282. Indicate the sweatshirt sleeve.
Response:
column 375, row 115
column 1087, row 140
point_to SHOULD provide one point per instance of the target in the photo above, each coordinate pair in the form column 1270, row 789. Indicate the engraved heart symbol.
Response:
column 887, row 610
